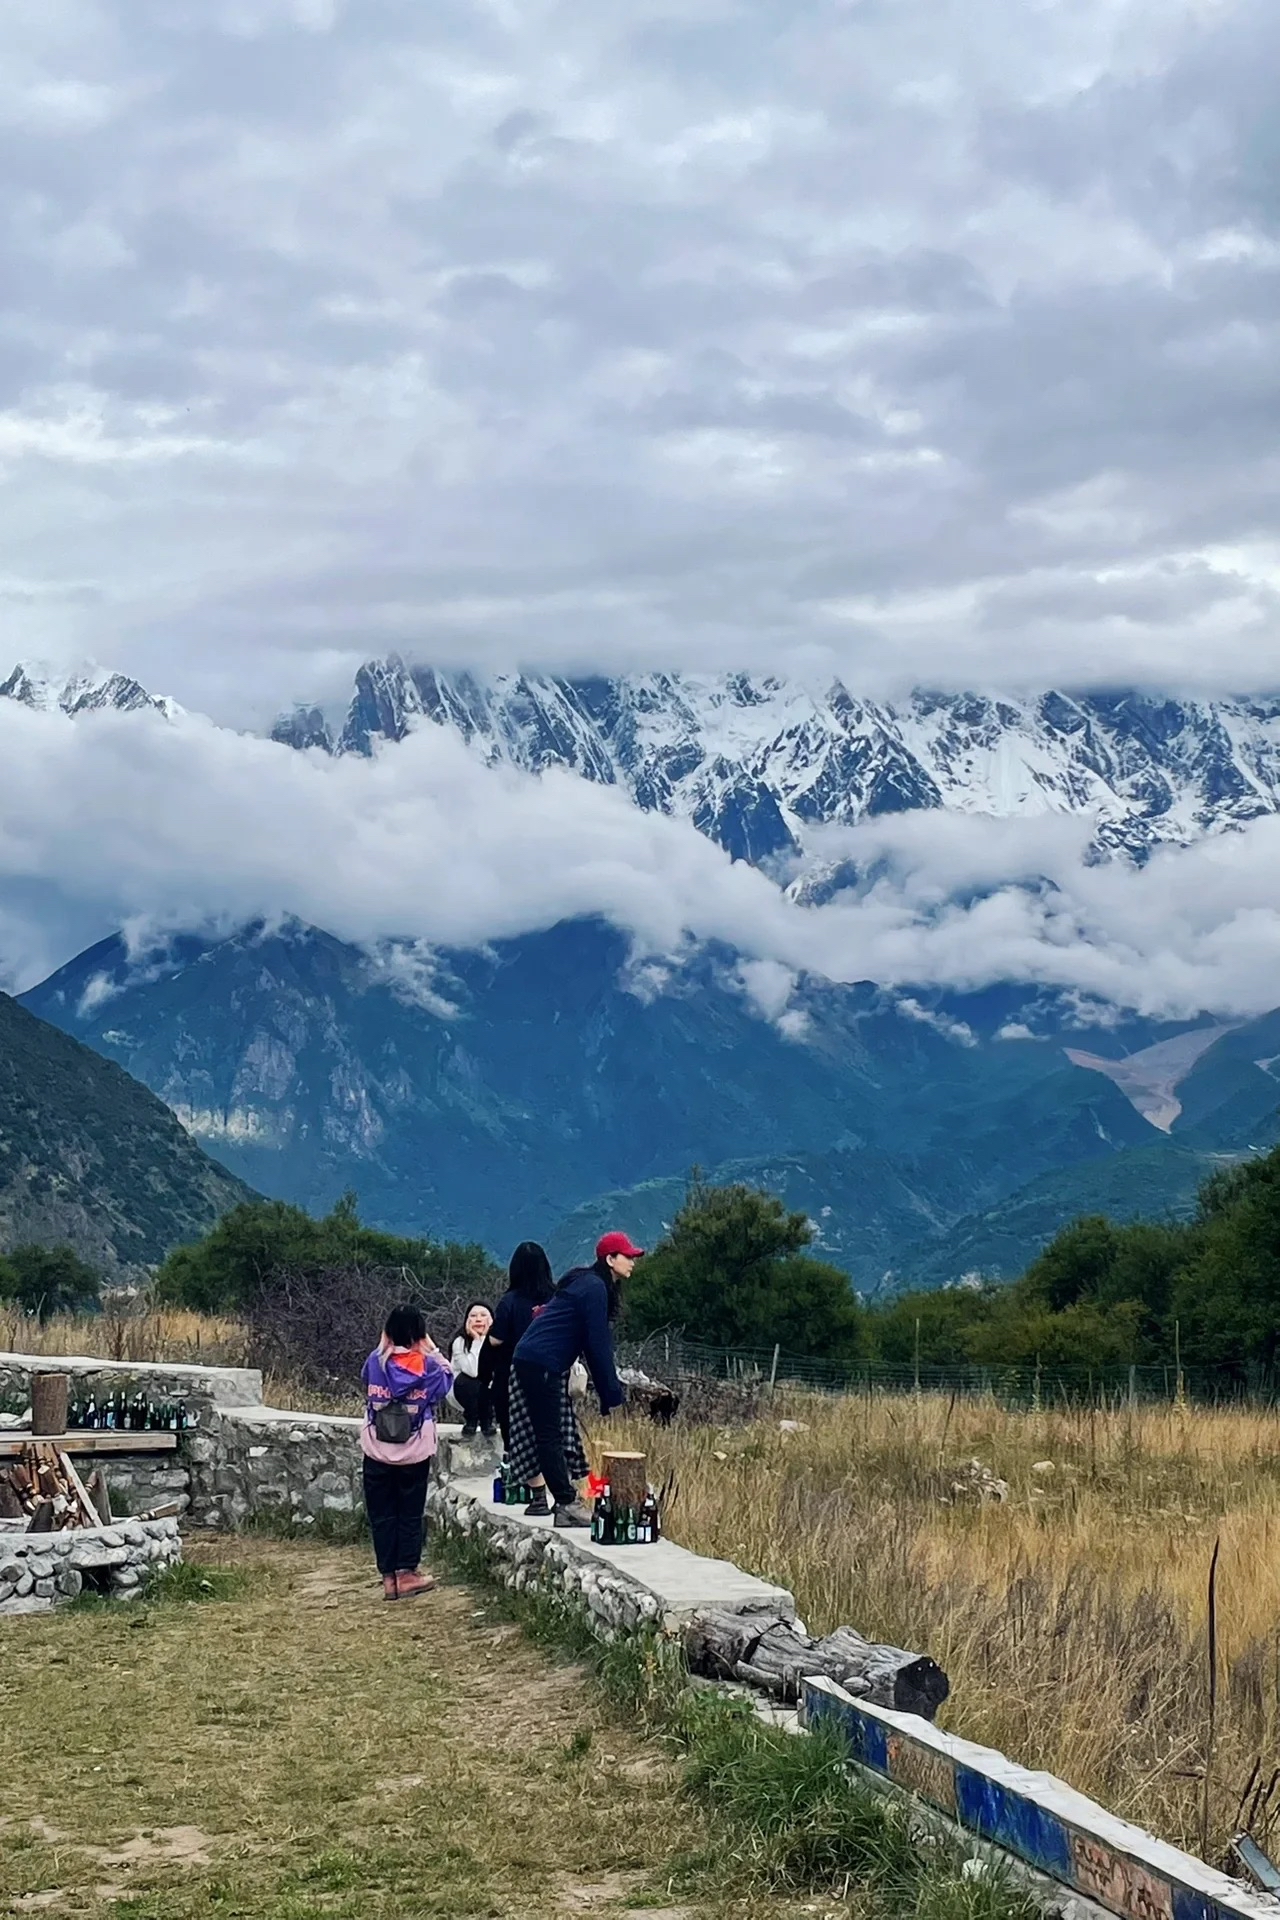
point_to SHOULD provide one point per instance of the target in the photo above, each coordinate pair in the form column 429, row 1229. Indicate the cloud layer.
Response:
column 117, row 819
column 917, row 343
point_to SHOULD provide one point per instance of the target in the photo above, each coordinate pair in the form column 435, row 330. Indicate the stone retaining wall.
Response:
column 199, row 1386
column 619, row 1589
column 40, row 1570
column 249, row 1461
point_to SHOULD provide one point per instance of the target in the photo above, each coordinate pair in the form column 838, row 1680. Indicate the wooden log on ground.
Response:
column 767, row 1651
column 891, row 1676
column 625, row 1473
column 49, row 1393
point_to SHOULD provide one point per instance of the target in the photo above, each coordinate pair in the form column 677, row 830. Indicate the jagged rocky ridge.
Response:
column 757, row 763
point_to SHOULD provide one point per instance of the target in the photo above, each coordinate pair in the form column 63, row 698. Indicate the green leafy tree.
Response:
column 734, row 1271
column 49, row 1280
column 1227, row 1296
column 1074, row 1266
column 262, row 1238
column 1082, row 1335
column 935, row 1327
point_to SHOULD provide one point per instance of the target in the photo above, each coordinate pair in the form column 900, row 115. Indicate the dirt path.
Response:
column 302, row 1749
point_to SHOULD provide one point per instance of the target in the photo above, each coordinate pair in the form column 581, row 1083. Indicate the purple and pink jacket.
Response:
column 422, row 1381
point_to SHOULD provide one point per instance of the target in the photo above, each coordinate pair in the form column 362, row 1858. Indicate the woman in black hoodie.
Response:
column 576, row 1323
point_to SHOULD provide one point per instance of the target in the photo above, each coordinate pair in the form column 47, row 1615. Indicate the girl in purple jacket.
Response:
column 405, row 1380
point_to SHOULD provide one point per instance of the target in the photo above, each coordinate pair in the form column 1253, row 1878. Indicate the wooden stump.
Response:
column 49, row 1402
column 627, row 1479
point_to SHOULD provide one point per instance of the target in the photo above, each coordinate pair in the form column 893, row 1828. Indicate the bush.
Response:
column 318, row 1324
column 49, row 1280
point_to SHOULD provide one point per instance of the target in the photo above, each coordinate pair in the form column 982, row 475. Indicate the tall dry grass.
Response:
column 127, row 1332
column 1072, row 1617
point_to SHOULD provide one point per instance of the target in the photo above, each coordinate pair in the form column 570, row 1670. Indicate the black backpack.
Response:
column 393, row 1424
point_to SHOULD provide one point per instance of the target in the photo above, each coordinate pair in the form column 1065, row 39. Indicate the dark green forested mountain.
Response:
column 89, row 1158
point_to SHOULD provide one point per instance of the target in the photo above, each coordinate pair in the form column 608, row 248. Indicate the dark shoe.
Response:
column 490, row 1433
column 410, row 1585
column 469, row 1433
column 577, row 1515
column 539, row 1508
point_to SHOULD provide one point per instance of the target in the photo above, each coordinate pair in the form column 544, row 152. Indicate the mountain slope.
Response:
column 489, row 1095
column 91, row 1158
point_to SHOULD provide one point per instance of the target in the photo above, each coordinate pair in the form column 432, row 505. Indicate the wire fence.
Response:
column 671, row 1357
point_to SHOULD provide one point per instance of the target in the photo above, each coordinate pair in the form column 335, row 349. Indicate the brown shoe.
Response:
column 410, row 1585
column 389, row 1587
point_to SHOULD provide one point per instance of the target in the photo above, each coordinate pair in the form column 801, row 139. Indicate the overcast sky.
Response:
column 911, row 340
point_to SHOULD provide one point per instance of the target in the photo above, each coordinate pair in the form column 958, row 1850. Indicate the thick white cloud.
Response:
column 921, row 343
column 128, row 818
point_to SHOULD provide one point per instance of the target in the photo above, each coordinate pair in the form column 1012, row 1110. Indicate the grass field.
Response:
column 295, row 1749
column 1072, row 1617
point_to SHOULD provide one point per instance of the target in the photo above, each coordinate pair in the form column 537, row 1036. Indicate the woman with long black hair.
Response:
column 529, row 1286
column 577, row 1322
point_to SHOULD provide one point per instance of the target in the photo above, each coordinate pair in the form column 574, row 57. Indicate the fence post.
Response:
column 773, row 1371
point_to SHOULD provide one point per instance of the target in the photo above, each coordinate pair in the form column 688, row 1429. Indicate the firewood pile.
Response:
column 43, row 1487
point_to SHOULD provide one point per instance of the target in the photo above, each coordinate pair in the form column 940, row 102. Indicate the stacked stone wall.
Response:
column 38, row 1571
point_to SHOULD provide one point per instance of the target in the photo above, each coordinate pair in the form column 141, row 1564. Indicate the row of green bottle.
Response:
column 507, row 1490
column 117, row 1413
column 616, row 1526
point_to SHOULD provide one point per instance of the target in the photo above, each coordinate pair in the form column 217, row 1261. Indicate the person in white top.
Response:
column 471, row 1376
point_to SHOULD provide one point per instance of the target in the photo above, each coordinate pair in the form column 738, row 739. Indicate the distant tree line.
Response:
column 737, row 1270
column 1205, row 1292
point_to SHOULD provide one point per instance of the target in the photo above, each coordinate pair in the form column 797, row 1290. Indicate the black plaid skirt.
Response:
column 523, row 1450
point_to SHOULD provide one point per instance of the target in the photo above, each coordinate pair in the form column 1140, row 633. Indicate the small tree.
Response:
column 734, row 1272
column 49, row 1280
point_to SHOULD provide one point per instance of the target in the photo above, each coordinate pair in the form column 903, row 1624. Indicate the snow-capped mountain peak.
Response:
column 85, row 689
column 758, row 763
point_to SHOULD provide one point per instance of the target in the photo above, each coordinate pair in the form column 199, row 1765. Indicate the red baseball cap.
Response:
column 618, row 1243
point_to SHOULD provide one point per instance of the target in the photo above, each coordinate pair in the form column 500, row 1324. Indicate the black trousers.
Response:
column 395, row 1500
column 475, row 1397
column 543, row 1397
column 500, row 1388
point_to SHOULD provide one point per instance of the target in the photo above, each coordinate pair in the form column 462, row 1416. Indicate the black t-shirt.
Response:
column 514, row 1312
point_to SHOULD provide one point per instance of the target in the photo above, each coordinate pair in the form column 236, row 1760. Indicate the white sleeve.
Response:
column 466, row 1356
